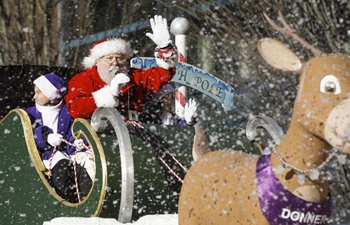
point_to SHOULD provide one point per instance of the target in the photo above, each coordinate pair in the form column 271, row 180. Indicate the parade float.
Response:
column 131, row 179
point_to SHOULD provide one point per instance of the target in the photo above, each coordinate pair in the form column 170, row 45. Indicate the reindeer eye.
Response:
column 330, row 84
column 330, row 87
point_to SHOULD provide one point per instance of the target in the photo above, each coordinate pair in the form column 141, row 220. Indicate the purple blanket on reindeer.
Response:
column 282, row 207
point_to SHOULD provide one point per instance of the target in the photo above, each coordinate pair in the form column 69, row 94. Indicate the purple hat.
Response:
column 52, row 86
column 166, row 89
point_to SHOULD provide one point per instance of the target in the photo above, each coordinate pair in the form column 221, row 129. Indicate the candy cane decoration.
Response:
column 179, row 28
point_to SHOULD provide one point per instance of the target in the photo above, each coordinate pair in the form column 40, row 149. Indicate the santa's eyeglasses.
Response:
column 113, row 58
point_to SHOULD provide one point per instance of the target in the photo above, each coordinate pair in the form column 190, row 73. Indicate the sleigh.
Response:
column 130, row 180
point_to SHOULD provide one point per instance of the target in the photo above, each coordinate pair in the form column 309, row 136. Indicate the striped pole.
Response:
column 179, row 27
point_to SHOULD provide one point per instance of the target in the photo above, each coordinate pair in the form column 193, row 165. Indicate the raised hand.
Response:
column 160, row 36
column 190, row 110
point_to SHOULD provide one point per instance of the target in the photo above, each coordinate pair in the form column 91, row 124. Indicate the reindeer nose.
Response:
column 337, row 129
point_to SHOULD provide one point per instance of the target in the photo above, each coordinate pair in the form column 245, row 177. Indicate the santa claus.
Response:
column 107, row 82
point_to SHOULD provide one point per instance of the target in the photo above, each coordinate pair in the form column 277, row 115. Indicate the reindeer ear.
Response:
column 278, row 55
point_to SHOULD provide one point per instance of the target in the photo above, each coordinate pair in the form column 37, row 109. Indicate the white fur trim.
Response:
column 47, row 88
column 104, row 97
column 111, row 46
column 89, row 62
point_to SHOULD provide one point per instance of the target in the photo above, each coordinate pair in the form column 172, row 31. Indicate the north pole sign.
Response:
column 195, row 78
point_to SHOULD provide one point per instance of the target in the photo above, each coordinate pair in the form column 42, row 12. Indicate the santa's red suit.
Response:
column 86, row 90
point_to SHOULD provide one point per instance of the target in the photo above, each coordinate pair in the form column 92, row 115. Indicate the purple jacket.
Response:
column 65, row 122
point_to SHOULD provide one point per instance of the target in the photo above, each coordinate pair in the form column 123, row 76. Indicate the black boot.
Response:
column 62, row 180
column 84, row 181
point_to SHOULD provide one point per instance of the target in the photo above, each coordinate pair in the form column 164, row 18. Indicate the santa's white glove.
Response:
column 118, row 82
column 79, row 144
column 190, row 109
column 54, row 139
column 160, row 36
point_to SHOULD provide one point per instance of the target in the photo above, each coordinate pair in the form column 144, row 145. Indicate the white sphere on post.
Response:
column 179, row 27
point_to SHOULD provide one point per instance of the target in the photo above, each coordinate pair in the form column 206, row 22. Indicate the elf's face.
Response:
column 39, row 97
column 167, row 102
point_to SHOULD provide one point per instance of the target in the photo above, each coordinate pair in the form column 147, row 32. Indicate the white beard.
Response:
column 106, row 74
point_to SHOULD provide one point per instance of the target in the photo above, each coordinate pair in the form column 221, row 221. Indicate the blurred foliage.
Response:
column 222, row 40
column 234, row 28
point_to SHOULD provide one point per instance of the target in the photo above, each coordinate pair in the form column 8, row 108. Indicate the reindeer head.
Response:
column 322, row 105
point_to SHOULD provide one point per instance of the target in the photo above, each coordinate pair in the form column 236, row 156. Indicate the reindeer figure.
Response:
column 288, row 184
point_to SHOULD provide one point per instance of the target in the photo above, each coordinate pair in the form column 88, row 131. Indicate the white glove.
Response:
column 79, row 144
column 86, row 159
column 54, row 139
column 160, row 36
column 118, row 82
column 82, row 157
column 190, row 109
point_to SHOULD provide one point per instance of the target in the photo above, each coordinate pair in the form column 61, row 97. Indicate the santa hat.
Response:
column 52, row 86
column 106, row 47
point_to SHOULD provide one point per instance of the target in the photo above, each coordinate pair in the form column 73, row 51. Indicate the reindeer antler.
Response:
column 288, row 31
